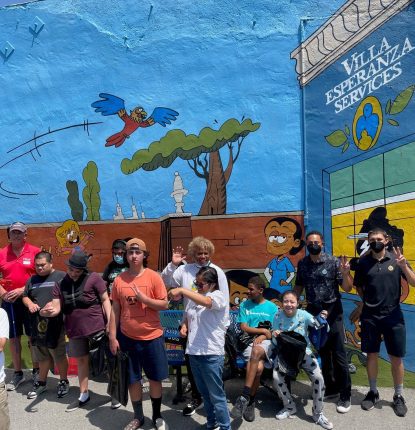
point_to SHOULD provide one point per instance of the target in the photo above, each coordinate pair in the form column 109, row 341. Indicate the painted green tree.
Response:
column 202, row 153
column 91, row 191
column 77, row 208
column 90, row 195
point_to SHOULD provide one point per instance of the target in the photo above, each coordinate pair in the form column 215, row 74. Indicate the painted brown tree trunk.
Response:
column 214, row 202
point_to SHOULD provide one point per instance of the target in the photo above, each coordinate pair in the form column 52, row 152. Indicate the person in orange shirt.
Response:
column 138, row 295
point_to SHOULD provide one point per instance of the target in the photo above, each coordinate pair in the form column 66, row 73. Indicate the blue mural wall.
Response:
column 207, row 62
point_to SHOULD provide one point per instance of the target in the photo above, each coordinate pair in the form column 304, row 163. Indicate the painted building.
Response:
column 356, row 72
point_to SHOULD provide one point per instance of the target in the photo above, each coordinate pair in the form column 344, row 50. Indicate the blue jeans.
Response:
column 207, row 371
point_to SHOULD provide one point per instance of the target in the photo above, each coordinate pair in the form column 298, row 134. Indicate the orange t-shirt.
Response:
column 137, row 320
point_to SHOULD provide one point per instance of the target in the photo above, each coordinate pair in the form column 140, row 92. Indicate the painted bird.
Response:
column 111, row 105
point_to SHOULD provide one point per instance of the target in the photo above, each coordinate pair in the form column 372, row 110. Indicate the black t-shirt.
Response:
column 44, row 331
column 111, row 272
column 380, row 281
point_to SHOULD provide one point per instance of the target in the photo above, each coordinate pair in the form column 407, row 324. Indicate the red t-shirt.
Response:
column 137, row 320
column 17, row 269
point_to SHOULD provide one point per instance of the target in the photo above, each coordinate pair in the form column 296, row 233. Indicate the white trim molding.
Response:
column 354, row 21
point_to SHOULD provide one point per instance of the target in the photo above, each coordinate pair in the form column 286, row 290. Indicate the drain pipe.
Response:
column 303, row 21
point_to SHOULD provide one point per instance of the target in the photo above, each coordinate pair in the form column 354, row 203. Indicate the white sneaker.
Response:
column 115, row 404
column 322, row 421
column 160, row 424
column 343, row 406
column 286, row 412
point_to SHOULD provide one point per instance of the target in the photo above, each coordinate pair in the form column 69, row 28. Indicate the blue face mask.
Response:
column 119, row 259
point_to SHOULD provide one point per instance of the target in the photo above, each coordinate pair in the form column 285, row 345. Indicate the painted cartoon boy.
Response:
column 283, row 237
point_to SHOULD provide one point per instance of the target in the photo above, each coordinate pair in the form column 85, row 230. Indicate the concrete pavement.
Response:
column 48, row 412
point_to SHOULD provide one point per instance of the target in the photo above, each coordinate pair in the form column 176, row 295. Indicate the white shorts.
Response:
column 265, row 345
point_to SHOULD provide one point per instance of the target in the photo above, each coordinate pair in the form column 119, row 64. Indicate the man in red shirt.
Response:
column 17, row 265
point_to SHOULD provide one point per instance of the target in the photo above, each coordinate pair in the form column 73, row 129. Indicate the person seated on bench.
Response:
column 292, row 319
column 255, row 314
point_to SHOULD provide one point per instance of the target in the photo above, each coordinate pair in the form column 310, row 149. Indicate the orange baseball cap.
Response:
column 136, row 243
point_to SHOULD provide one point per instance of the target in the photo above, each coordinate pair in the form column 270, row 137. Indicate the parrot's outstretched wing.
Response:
column 163, row 115
column 110, row 105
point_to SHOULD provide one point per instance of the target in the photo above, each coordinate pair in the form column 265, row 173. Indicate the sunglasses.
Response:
column 200, row 284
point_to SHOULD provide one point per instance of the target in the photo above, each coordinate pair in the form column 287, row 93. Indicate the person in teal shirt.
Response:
column 254, row 313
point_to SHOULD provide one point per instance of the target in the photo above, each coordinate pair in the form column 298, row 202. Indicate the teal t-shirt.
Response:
column 299, row 323
column 253, row 313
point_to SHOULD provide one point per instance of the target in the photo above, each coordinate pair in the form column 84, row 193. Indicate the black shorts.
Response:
column 147, row 355
column 18, row 318
column 391, row 327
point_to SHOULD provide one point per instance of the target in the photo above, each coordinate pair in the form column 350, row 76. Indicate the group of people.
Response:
column 125, row 303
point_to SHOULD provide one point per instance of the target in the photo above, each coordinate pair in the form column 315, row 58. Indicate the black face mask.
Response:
column 313, row 248
column 376, row 246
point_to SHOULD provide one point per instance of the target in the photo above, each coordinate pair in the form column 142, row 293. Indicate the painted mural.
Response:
column 167, row 123
column 359, row 148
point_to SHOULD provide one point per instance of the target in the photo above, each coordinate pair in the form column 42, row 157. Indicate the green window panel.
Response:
column 341, row 184
column 368, row 175
column 400, row 166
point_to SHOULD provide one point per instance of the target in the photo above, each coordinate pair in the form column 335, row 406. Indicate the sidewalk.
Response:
column 48, row 412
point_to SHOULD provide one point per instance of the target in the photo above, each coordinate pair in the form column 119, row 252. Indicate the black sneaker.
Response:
column 370, row 400
column 18, row 378
column 399, row 406
column 76, row 405
column 191, row 407
column 249, row 414
column 240, row 407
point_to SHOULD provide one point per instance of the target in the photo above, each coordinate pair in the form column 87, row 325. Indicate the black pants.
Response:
column 195, row 392
column 334, row 362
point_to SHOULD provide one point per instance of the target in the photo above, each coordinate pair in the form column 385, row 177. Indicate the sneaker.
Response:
column 78, row 404
column 36, row 391
column 63, row 388
column 343, row 406
column 18, row 378
column 370, row 401
column 135, row 424
column 399, row 406
column 239, row 408
column 160, row 424
column 191, row 407
column 286, row 412
column 249, row 414
column 322, row 421
column 115, row 404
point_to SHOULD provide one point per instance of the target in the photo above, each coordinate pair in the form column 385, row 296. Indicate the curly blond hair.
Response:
column 200, row 243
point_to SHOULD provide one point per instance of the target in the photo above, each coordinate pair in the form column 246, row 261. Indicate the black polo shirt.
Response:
column 380, row 281
column 321, row 281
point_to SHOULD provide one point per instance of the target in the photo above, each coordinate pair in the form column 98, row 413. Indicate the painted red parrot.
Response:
column 111, row 105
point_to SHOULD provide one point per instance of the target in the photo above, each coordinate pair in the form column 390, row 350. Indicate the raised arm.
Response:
column 344, row 268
